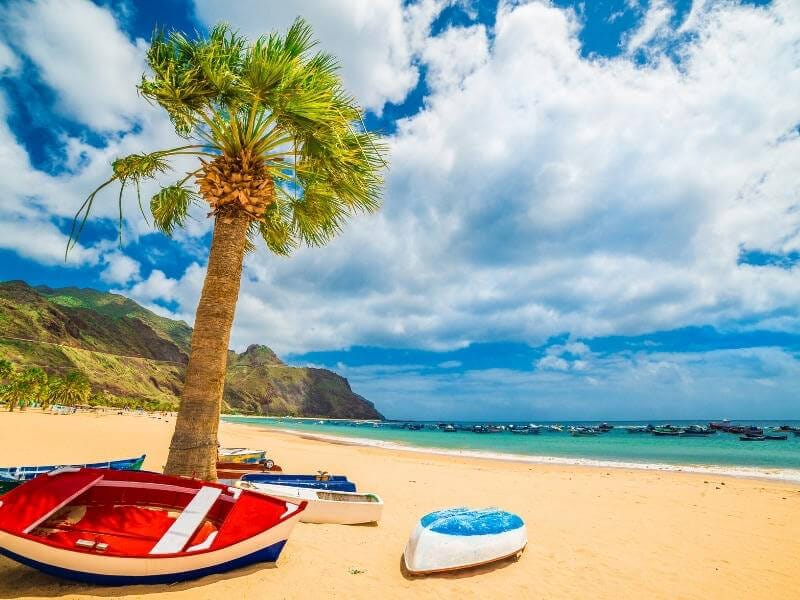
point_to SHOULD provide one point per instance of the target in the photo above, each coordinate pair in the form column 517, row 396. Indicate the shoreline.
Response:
column 611, row 531
column 734, row 471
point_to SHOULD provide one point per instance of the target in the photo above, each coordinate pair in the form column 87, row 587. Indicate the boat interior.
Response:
column 338, row 497
column 142, row 518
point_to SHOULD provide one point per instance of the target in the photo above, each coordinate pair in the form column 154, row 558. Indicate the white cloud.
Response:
column 455, row 54
column 538, row 193
column 9, row 63
column 655, row 24
column 374, row 40
column 120, row 269
column 82, row 55
column 546, row 193
column 449, row 364
column 747, row 383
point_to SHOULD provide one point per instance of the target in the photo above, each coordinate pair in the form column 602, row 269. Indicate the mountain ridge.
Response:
column 129, row 352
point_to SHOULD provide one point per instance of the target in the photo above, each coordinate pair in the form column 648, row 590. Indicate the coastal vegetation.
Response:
column 283, row 158
column 31, row 386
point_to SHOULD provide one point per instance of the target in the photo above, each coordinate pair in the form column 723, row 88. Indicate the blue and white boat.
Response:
column 322, row 481
column 10, row 477
column 460, row 538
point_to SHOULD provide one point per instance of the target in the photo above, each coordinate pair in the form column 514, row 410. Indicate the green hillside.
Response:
column 129, row 352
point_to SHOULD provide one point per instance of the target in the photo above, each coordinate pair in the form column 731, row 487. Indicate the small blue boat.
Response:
column 323, row 481
column 21, row 474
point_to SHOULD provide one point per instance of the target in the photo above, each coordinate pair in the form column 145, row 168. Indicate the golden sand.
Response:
column 593, row 532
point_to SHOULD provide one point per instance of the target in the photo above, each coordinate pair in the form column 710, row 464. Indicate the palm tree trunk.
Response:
column 193, row 450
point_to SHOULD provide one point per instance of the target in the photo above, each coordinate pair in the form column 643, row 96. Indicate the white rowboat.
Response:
column 460, row 538
column 343, row 508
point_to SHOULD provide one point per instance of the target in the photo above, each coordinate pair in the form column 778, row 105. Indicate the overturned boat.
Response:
column 460, row 538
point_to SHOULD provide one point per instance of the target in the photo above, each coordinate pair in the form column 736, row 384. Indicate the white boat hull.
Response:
column 433, row 552
column 342, row 508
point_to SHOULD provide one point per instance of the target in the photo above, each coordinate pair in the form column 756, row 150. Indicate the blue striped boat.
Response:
column 13, row 476
column 333, row 483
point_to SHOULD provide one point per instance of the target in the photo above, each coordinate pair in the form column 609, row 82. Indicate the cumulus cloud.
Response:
column 748, row 383
column 537, row 193
column 120, row 269
column 375, row 40
column 80, row 53
column 540, row 192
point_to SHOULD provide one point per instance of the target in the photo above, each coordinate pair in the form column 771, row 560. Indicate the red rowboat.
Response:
column 126, row 527
column 228, row 470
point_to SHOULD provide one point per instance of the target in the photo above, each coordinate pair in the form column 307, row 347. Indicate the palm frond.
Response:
column 170, row 207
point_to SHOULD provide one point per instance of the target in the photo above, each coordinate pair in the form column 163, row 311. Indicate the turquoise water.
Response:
column 722, row 449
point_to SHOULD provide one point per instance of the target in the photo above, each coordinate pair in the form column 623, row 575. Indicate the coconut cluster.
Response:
column 236, row 183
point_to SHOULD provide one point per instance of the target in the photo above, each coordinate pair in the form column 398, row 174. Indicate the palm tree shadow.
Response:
column 461, row 573
column 20, row 581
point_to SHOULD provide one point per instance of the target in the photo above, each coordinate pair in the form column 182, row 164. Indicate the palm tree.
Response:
column 283, row 157
column 20, row 387
column 6, row 370
column 36, row 381
column 72, row 389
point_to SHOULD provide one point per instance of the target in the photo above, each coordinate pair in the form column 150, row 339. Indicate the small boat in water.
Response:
column 525, row 429
column 775, row 436
column 752, row 438
column 583, row 431
column 343, row 508
column 241, row 455
column 697, row 431
column 666, row 430
column 460, row 538
column 131, row 527
column 639, row 428
column 321, row 481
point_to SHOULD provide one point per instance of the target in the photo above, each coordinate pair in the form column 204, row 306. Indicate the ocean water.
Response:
column 722, row 450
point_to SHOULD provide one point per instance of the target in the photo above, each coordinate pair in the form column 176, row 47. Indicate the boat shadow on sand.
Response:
column 461, row 573
column 19, row 581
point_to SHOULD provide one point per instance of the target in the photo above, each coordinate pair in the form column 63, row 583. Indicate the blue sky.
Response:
column 591, row 210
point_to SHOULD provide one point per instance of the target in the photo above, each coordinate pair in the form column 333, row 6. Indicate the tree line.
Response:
column 32, row 386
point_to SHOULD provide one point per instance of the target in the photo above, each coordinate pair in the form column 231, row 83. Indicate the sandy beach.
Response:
column 593, row 532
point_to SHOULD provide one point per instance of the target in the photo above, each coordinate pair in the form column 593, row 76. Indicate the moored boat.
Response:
column 697, row 431
column 321, row 481
column 130, row 527
column 583, row 431
column 639, row 428
column 460, row 538
column 752, row 438
column 343, row 508
column 775, row 436
column 666, row 430
column 241, row 455
column 525, row 429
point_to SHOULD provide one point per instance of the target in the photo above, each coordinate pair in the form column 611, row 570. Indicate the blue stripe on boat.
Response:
column 464, row 521
column 268, row 554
